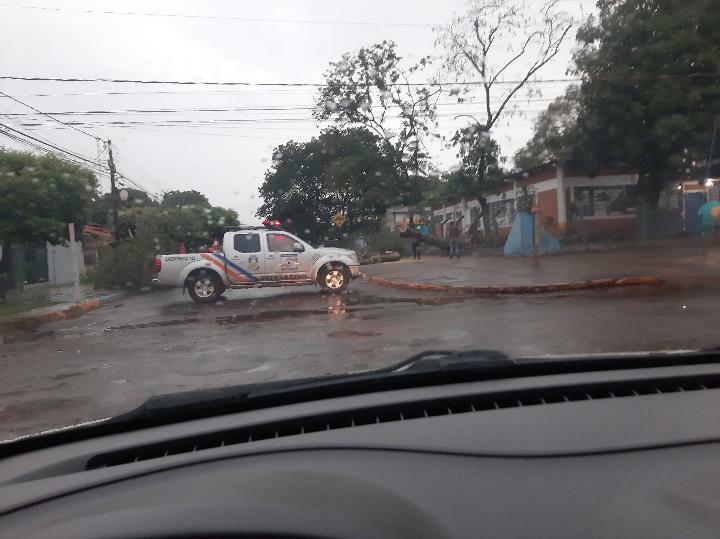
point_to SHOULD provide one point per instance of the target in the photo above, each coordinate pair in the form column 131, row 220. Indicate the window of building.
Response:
column 247, row 243
column 604, row 201
column 502, row 212
column 669, row 199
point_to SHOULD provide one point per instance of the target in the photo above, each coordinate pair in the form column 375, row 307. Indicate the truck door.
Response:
column 282, row 261
column 245, row 258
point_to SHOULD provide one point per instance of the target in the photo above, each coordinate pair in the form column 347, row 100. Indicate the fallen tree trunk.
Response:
column 377, row 259
column 430, row 240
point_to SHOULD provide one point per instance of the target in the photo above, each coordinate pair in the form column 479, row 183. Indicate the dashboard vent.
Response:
column 403, row 412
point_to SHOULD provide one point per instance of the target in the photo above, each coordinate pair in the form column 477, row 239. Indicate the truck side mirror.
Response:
column 298, row 247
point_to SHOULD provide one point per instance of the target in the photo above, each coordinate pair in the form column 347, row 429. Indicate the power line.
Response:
column 220, row 17
column 268, row 108
column 279, row 91
column 200, row 133
column 45, row 143
column 48, row 115
column 266, row 84
column 120, row 174
column 39, row 148
column 245, row 122
column 138, row 186
column 628, row 80
column 16, row 135
column 61, row 142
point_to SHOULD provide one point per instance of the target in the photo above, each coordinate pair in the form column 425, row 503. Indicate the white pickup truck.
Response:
column 254, row 257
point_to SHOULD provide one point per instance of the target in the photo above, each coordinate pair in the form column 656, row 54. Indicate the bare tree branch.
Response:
column 536, row 67
column 474, row 42
column 514, row 58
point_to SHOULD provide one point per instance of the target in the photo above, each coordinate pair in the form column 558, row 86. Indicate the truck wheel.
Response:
column 334, row 278
column 205, row 287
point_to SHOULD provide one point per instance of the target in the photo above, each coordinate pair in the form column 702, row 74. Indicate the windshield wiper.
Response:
column 444, row 366
column 425, row 369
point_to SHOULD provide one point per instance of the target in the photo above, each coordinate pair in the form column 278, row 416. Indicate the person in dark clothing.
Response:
column 416, row 248
column 454, row 232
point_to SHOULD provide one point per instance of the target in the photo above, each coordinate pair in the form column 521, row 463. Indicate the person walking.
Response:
column 416, row 248
column 454, row 232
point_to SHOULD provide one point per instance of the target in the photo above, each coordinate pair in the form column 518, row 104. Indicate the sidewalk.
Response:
column 42, row 303
column 679, row 264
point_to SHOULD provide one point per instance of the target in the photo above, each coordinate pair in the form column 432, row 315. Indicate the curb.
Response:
column 71, row 312
column 647, row 280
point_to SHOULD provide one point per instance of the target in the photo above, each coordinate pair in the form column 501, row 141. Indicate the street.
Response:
column 108, row 361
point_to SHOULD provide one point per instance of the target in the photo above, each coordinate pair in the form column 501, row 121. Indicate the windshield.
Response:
column 527, row 177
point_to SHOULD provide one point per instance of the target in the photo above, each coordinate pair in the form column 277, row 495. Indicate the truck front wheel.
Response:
column 334, row 278
column 205, row 286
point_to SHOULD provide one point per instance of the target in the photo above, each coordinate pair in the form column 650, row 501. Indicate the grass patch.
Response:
column 12, row 308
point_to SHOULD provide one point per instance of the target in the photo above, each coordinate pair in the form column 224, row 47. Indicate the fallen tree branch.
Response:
column 430, row 240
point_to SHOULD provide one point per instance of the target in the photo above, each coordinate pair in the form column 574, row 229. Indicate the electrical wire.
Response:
column 628, row 80
column 269, row 84
column 219, row 17
column 267, row 108
column 53, row 146
column 42, row 149
column 48, row 115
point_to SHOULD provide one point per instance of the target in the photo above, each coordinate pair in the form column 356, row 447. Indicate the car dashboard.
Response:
column 614, row 453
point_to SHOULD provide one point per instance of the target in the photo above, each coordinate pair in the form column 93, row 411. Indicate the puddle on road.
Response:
column 64, row 375
column 352, row 305
column 264, row 316
column 161, row 323
column 25, row 336
column 352, row 333
column 36, row 407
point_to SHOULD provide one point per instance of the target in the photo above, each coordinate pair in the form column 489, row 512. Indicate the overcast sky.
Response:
column 222, row 154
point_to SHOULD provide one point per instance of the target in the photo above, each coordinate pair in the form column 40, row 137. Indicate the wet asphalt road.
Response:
column 108, row 361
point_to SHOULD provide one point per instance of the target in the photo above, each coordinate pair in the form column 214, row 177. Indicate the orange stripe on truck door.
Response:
column 234, row 276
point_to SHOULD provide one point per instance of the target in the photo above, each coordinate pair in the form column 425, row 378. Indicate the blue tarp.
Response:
column 707, row 223
column 520, row 240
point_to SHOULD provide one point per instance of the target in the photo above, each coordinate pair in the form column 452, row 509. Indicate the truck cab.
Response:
column 255, row 257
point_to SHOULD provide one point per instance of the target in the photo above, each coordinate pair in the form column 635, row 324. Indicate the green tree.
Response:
column 101, row 208
column 152, row 230
column 40, row 195
column 554, row 133
column 342, row 170
column 650, row 88
column 372, row 89
column 194, row 226
column 178, row 199
column 480, row 171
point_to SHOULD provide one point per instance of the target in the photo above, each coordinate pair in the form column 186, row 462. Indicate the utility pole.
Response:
column 712, row 147
column 114, row 196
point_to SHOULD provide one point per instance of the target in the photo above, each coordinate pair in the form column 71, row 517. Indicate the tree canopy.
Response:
column 40, row 195
column 481, row 165
column 372, row 89
column 178, row 199
column 192, row 225
column 151, row 230
column 650, row 88
column 101, row 208
column 554, row 132
column 342, row 170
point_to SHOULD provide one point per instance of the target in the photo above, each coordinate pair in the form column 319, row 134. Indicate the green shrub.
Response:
column 127, row 265
column 381, row 240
